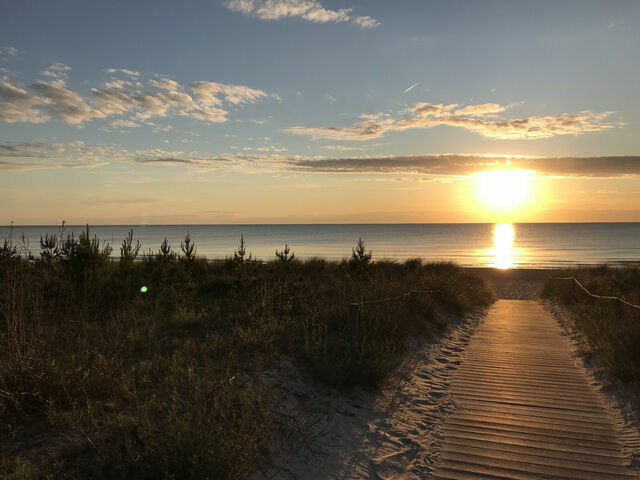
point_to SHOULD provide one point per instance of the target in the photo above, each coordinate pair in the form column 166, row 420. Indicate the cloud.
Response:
column 126, row 97
column 310, row 10
column 8, row 51
column 464, row 165
column 212, row 93
column 437, row 166
column 124, row 123
column 131, row 73
column 476, row 118
column 18, row 105
column 343, row 148
column 41, row 155
column 65, row 104
column 57, row 70
column 366, row 22
column 482, row 109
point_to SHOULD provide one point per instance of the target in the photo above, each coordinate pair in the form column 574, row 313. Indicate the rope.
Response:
column 399, row 297
column 606, row 297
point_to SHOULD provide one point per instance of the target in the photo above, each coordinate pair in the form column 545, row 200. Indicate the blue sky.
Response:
column 158, row 108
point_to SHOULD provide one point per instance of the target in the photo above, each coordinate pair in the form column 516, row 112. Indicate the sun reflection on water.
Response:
column 503, row 251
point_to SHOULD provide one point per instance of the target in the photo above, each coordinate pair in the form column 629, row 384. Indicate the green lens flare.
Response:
column 143, row 289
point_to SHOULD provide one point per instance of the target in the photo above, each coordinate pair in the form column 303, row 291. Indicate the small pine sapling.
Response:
column 188, row 247
column 240, row 254
column 128, row 250
column 286, row 255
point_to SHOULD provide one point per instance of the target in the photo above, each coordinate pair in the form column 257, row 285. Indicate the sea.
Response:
column 505, row 245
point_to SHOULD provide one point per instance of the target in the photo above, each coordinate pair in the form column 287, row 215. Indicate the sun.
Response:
column 503, row 189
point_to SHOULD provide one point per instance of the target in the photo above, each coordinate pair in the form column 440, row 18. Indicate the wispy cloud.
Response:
column 18, row 105
column 463, row 165
column 8, row 52
column 310, row 10
column 124, row 95
column 481, row 118
column 42, row 155
column 342, row 148
column 396, row 168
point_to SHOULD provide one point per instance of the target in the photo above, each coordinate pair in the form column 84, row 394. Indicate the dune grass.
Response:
column 152, row 367
column 611, row 329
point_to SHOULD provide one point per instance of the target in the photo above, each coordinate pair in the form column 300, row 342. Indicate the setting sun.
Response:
column 503, row 189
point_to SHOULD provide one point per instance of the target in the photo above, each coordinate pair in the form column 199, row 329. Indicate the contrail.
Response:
column 411, row 87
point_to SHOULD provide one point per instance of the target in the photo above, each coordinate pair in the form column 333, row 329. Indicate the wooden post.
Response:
column 354, row 323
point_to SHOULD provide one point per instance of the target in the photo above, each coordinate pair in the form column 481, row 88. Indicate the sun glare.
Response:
column 503, row 189
column 503, row 236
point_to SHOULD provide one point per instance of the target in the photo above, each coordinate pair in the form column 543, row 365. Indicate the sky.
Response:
column 306, row 111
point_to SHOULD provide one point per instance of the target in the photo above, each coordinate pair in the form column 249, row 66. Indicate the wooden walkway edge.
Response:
column 525, row 409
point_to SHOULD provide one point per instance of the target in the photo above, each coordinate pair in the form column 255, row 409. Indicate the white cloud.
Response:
column 213, row 93
column 477, row 118
column 131, row 73
column 127, row 97
column 366, row 22
column 124, row 123
column 482, row 109
column 342, row 148
column 310, row 10
column 57, row 70
column 8, row 52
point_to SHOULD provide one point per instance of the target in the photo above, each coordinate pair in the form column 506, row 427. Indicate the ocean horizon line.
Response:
column 303, row 224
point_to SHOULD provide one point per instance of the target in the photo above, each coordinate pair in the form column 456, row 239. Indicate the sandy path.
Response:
column 525, row 408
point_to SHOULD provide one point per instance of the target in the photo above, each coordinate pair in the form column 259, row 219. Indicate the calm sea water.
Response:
column 506, row 245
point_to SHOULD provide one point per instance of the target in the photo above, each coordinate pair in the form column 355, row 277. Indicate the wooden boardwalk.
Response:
column 525, row 409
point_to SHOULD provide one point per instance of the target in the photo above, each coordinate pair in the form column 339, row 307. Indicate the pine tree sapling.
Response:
column 188, row 247
column 165, row 249
column 359, row 255
column 240, row 254
column 286, row 255
column 128, row 250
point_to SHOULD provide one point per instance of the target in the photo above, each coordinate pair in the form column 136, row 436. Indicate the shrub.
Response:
column 188, row 248
column 239, row 255
column 129, row 250
column 286, row 255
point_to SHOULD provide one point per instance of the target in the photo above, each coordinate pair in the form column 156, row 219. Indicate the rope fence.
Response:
column 355, row 309
column 604, row 297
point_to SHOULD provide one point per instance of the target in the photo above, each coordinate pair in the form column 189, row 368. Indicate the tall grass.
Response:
column 611, row 329
column 102, row 378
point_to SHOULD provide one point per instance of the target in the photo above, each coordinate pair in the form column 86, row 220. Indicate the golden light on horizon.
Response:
column 503, row 189
column 503, row 251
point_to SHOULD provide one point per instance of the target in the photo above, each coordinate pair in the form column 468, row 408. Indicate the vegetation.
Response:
column 611, row 329
column 151, row 367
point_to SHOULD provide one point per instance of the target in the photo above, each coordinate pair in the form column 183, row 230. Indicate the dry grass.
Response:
column 612, row 329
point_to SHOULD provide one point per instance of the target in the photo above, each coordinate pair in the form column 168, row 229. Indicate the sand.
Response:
column 390, row 434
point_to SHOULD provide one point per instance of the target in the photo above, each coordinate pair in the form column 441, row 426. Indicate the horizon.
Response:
column 84, row 225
